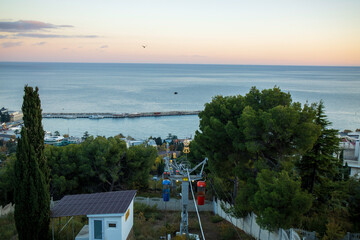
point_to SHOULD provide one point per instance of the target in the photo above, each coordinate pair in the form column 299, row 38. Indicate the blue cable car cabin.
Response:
column 166, row 190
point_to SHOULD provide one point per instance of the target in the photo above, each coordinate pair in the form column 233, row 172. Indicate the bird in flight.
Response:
column 144, row 46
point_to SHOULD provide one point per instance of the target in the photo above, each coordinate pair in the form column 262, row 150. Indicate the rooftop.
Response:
column 95, row 203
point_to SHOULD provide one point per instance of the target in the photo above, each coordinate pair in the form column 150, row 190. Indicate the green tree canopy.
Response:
column 243, row 134
column 32, row 200
column 279, row 201
column 320, row 163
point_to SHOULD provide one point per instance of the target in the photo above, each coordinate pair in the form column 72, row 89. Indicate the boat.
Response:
column 53, row 140
column 96, row 117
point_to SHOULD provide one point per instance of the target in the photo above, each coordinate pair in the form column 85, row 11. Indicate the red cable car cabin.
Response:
column 201, row 185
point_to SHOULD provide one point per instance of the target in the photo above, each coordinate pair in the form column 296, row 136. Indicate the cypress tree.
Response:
column 32, row 199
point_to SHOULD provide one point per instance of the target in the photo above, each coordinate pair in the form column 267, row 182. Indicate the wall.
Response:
column 108, row 233
column 128, row 224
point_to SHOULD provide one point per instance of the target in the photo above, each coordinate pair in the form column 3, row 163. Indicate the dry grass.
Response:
column 149, row 223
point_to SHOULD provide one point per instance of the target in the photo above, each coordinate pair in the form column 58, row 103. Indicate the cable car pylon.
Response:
column 181, row 171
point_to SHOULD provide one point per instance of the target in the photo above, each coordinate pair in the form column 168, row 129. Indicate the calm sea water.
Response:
column 119, row 88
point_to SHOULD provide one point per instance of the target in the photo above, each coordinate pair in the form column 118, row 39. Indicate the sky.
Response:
column 278, row 32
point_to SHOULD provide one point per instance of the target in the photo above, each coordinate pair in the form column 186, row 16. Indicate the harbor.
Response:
column 117, row 115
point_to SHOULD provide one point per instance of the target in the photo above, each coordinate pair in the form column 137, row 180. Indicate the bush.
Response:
column 7, row 227
column 216, row 219
column 148, row 212
column 227, row 232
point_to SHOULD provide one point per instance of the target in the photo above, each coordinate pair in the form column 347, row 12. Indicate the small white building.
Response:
column 351, row 153
column 111, row 214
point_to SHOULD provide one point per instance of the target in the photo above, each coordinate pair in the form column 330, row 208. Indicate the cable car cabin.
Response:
column 166, row 190
column 177, row 172
column 166, row 175
column 201, row 185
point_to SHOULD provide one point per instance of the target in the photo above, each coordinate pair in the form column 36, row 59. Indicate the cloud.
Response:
column 39, row 43
column 28, row 26
column 11, row 44
column 3, row 36
column 41, row 35
column 104, row 46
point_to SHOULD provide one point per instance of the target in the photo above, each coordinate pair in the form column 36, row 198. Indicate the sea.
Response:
column 135, row 88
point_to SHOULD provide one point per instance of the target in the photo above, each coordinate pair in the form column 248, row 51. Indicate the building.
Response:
column 10, row 116
column 132, row 143
column 110, row 214
column 350, row 145
column 15, row 116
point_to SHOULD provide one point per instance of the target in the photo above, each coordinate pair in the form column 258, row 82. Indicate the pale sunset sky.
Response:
column 278, row 32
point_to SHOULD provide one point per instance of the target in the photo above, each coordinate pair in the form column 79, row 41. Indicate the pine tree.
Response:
column 32, row 200
column 319, row 164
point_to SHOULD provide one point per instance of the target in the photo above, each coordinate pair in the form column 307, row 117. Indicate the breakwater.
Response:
column 117, row 115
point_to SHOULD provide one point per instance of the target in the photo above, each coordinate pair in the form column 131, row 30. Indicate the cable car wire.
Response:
column 197, row 212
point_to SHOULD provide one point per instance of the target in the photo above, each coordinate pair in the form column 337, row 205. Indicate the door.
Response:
column 98, row 229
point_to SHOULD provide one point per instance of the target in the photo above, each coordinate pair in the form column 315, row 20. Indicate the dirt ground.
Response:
column 151, row 225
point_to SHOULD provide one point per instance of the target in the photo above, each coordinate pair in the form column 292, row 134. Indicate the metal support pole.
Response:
column 73, row 229
column 165, row 220
column 52, row 228
column 184, row 225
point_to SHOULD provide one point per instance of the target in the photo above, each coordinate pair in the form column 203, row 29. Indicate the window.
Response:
column 112, row 225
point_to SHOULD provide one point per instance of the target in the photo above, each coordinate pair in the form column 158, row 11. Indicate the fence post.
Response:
column 251, row 221
column 259, row 232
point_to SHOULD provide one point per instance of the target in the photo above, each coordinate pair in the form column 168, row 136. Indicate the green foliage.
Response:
column 99, row 164
column 216, row 219
column 31, row 195
column 148, row 211
column 227, row 232
column 7, row 227
column 245, row 198
column 7, row 180
column 354, row 202
column 139, row 159
column 241, row 135
column 279, row 200
column 319, row 164
column 333, row 231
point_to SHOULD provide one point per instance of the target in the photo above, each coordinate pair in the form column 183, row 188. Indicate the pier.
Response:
column 116, row 115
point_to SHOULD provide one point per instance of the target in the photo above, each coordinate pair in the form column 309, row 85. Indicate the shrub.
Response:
column 216, row 219
column 227, row 232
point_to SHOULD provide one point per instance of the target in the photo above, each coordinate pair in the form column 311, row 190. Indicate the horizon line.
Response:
column 225, row 64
